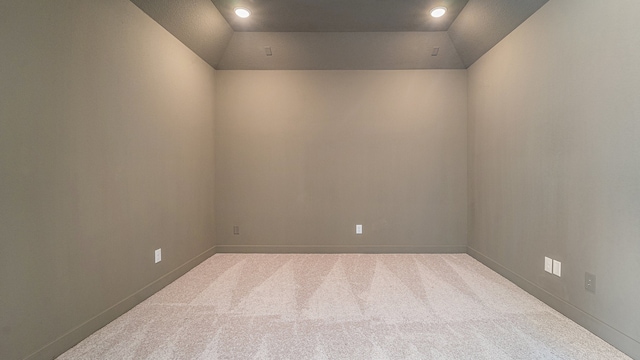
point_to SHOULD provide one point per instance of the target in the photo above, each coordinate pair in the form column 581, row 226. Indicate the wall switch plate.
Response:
column 548, row 265
column 158, row 255
column 236, row 230
column 358, row 229
column 590, row 282
column 557, row 268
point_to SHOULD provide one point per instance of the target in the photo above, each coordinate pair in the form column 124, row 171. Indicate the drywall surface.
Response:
column 106, row 154
column 197, row 23
column 554, row 161
column 304, row 156
column 483, row 23
column 340, row 51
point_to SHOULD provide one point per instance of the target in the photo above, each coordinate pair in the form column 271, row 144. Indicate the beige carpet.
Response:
column 238, row 306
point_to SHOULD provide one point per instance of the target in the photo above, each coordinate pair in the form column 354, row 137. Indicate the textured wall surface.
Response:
column 304, row 156
column 106, row 153
column 555, row 158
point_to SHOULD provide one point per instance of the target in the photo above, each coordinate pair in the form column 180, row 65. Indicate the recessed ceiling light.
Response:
column 242, row 12
column 438, row 12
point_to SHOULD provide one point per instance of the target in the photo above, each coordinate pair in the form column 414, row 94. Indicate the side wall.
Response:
column 554, row 161
column 106, row 153
column 304, row 156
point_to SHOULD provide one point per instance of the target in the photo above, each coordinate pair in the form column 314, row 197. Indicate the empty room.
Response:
column 294, row 179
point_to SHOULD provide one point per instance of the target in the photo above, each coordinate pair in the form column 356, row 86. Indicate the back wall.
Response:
column 304, row 156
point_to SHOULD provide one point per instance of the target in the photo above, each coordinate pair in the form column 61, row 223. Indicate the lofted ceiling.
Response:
column 339, row 34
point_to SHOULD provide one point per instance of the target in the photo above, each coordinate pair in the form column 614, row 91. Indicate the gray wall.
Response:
column 340, row 51
column 554, row 160
column 106, row 153
column 304, row 156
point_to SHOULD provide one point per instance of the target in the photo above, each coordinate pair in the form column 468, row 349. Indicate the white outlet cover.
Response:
column 548, row 265
column 158, row 254
column 557, row 268
column 359, row 229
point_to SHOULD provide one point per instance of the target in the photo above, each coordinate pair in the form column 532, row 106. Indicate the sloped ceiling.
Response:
column 338, row 34
column 196, row 23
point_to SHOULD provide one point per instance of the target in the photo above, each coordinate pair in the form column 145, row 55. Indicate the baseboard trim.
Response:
column 79, row 333
column 294, row 249
column 618, row 339
column 609, row 334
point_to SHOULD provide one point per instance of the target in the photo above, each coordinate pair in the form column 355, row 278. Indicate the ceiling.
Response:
column 339, row 15
column 339, row 34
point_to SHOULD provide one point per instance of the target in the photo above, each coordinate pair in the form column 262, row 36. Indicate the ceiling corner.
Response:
column 484, row 23
column 479, row 25
column 196, row 23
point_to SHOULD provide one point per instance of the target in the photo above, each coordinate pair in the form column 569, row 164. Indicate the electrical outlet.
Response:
column 557, row 268
column 359, row 229
column 158, row 254
column 590, row 282
column 236, row 230
column 548, row 265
